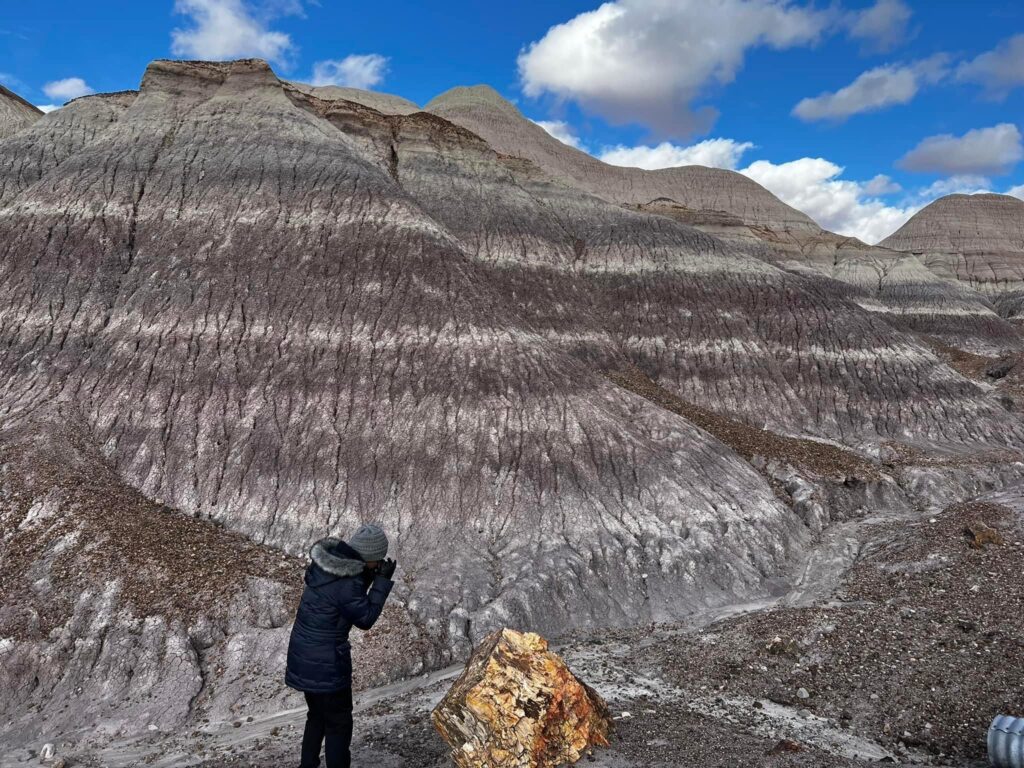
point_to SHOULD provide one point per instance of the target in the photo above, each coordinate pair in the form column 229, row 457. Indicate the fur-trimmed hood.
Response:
column 336, row 558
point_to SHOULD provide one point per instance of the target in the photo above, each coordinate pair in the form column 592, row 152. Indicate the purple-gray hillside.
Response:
column 731, row 207
column 55, row 137
column 273, row 335
column 977, row 240
column 16, row 114
column 237, row 313
column 701, row 190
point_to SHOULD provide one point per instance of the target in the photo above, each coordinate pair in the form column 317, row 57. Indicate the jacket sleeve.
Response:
column 364, row 610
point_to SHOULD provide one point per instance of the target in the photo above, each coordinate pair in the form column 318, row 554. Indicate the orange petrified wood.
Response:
column 518, row 705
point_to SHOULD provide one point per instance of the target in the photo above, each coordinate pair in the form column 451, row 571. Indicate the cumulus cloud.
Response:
column 881, row 185
column 714, row 153
column 47, row 108
column 1017, row 191
column 881, row 27
column 812, row 185
column 875, row 89
column 562, row 131
column 980, row 151
column 355, row 71
column 966, row 184
column 650, row 60
column 67, row 89
column 998, row 71
column 231, row 29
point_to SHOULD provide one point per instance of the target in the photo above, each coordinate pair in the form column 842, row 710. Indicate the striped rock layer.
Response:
column 276, row 312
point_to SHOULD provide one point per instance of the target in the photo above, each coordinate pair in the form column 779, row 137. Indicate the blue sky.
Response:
column 856, row 111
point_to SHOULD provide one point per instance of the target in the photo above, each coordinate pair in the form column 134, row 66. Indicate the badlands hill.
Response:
column 967, row 224
column 977, row 240
column 238, row 314
column 705, row 192
column 15, row 113
column 744, row 214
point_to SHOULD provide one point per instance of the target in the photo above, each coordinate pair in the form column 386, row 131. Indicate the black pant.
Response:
column 329, row 720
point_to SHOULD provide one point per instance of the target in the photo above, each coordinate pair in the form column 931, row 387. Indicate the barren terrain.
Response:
column 660, row 417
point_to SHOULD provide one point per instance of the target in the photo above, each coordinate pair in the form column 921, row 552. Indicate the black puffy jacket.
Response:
column 335, row 599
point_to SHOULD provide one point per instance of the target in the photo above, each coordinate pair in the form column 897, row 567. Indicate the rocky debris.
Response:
column 819, row 458
column 518, row 705
column 166, row 563
column 1002, row 367
column 1002, row 371
column 917, row 651
column 980, row 536
column 972, row 365
column 16, row 114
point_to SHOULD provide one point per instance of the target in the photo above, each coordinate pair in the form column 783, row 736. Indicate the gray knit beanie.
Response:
column 370, row 542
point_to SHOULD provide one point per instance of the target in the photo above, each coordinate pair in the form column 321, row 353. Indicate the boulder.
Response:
column 518, row 705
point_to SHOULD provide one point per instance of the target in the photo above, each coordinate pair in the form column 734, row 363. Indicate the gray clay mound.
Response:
column 15, row 113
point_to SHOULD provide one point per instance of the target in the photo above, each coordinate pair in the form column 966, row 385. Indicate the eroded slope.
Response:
column 274, row 336
column 707, row 192
column 977, row 240
column 286, row 314
column 16, row 114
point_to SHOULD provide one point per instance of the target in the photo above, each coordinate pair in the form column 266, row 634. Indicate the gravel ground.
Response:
column 919, row 649
column 905, row 662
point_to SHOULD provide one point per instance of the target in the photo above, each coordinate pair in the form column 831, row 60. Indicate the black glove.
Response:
column 387, row 568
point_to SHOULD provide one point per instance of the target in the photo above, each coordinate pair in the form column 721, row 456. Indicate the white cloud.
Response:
column 355, row 71
column 649, row 60
column 881, row 27
column 978, row 152
column 67, row 89
column 812, row 185
column 1000, row 70
column 967, row 184
column 872, row 90
column 1016, row 191
column 47, row 108
column 231, row 29
column 714, row 153
column 881, row 185
column 562, row 131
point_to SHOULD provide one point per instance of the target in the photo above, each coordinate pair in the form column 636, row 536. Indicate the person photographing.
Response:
column 346, row 585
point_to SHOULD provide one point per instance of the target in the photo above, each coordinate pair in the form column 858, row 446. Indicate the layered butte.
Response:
column 977, row 240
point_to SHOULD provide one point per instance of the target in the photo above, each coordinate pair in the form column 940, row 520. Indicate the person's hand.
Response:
column 387, row 568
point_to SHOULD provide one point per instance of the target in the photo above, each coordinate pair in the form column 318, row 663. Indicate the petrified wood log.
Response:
column 518, row 705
